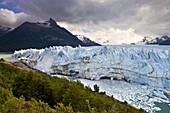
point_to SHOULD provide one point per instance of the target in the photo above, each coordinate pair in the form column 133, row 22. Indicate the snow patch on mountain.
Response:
column 5, row 29
column 156, row 41
column 44, row 24
column 87, row 41
column 83, row 38
column 48, row 24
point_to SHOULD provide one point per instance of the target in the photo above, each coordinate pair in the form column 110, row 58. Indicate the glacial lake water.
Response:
column 6, row 56
column 165, row 108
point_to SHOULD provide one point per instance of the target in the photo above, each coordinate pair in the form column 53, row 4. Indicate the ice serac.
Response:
column 147, row 65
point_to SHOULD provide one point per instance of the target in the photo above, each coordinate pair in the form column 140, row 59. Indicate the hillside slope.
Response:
column 69, row 97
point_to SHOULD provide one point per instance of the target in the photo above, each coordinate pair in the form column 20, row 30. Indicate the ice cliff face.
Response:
column 148, row 65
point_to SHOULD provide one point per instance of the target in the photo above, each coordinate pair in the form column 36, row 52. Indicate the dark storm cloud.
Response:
column 80, row 10
column 123, row 14
column 144, row 16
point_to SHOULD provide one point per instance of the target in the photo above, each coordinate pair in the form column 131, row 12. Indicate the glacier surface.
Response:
column 146, row 65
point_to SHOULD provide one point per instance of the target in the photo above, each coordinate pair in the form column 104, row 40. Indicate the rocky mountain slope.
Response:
column 87, row 40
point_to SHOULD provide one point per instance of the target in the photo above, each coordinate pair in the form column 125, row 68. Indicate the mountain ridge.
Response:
column 38, row 35
column 163, row 40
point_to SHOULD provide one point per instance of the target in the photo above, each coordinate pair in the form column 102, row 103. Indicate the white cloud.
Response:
column 7, row 17
column 11, row 19
column 115, row 36
column 103, row 34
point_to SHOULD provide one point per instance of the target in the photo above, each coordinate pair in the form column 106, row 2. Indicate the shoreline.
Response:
column 23, row 65
column 6, row 52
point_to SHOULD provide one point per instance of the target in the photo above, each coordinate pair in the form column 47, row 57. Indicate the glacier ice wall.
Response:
column 147, row 65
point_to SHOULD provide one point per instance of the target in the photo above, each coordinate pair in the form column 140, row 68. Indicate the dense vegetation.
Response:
column 26, row 91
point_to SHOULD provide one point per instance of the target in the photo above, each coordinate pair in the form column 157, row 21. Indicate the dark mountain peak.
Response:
column 47, row 24
column 51, row 23
column 165, row 37
column 165, row 40
column 159, row 40
column 25, row 23
column 52, row 20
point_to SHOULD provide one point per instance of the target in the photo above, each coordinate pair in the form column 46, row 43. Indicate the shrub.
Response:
column 2, row 60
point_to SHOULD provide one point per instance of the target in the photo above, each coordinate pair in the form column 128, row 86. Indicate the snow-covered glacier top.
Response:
column 147, row 65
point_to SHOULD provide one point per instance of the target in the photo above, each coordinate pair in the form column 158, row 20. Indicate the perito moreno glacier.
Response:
column 146, row 65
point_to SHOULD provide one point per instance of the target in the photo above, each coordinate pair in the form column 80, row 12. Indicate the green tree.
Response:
column 32, row 85
column 96, row 88
column 76, row 96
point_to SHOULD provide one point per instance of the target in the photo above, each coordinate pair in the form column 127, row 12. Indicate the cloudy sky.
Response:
column 116, row 21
